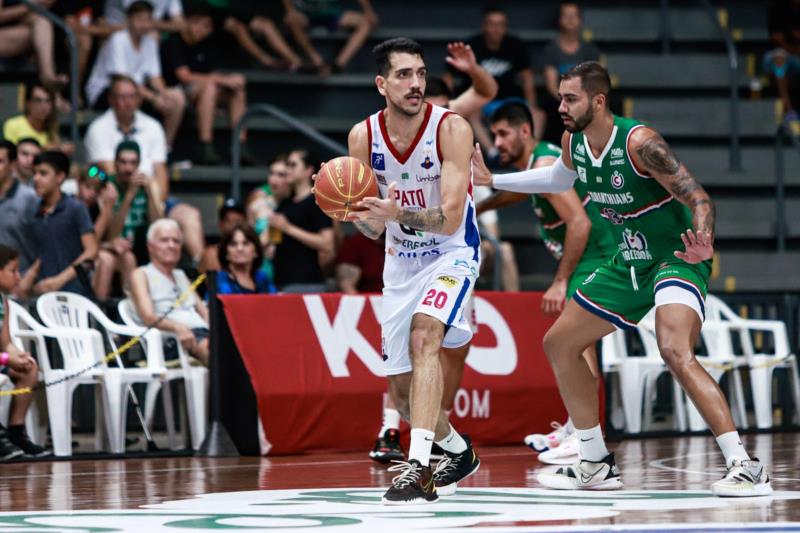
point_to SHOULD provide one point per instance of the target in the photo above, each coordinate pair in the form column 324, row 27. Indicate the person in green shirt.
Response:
column 663, row 222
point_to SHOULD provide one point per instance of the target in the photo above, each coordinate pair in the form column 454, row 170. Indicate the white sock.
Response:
column 569, row 426
column 591, row 446
column 420, row 449
column 731, row 445
column 391, row 420
column 453, row 442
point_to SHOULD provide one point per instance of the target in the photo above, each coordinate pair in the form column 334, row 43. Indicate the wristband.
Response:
column 4, row 359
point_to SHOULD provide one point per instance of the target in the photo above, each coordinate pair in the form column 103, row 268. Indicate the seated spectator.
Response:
column 85, row 19
column 18, row 204
column 38, row 121
column 564, row 52
column 27, row 149
column 124, row 122
column 156, row 286
column 22, row 30
column 331, row 15
column 19, row 366
column 359, row 264
column 240, row 258
column 167, row 14
column 506, row 58
column 244, row 18
column 63, row 231
column 231, row 214
column 134, row 52
column 190, row 59
column 304, row 232
column 783, row 61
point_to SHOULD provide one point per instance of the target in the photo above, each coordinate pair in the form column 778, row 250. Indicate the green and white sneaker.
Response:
column 584, row 475
column 744, row 478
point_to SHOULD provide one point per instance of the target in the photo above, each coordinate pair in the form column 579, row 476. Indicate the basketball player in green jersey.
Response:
column 663, row 221
column 571, row 229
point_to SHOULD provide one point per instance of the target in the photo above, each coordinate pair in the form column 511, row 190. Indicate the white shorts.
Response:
column 441, row 288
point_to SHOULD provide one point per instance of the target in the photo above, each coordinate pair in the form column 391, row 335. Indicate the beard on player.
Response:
column 576, row 124
column 509, row 154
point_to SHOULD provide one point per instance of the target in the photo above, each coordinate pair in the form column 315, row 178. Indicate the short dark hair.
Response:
column 30, row 86
column 128, row 146
column 594, row 78
column 139, row 6
column 515, row 113
column 29, row 140
column 197, row 9
column 120, row 78
column 249, row 234
column 309, row 158
column 10, row 148
column 398, row 45
column 494, row 7
column 7, row 254
column 435, row 86
column 575, row 3
column 55, row 159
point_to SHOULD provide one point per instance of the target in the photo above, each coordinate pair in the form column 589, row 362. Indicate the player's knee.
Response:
column 674, row 355
column 554, row 344
column 425, row 340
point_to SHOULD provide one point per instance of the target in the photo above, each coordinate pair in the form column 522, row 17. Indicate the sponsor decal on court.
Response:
column 358, row 510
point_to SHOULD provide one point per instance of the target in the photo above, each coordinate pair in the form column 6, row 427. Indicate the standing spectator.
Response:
column 124, row 122
column 167, row 14
column 190, row 59
column 18, row 204
column 22, row 30
column 19, row 366
column 63, row 231
column 506, row 58
column 134, row 52
column 27, row 149
column 231, row 214
column 240, row 258
column 156, row 286
column 359, row 264
column 783, row 61
column 263, row 200
column 564, row 52
column 331, row 15
column 305, row 232
column 38, row 121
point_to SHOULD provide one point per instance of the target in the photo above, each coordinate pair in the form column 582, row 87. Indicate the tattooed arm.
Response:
column 651, row 153
column 358, row 146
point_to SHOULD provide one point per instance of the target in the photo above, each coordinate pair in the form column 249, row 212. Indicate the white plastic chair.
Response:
column 80, row 350
column 73, row 311
column 761, row 365
column 195, row 377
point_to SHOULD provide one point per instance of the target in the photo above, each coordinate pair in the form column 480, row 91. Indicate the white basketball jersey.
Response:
column 417, row 174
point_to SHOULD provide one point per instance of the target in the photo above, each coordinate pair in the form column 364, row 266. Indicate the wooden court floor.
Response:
column 667, row 484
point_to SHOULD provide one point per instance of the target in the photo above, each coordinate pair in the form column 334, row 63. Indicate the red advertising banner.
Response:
column 316, row 367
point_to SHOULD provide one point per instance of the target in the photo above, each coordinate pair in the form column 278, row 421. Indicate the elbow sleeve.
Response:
column 555, row 178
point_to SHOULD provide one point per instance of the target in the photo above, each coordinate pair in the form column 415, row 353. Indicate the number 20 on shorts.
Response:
column 436, row 298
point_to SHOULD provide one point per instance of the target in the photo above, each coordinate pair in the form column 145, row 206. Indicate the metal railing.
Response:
column 665, row 30
column 735, row 155
column 784, row 132
column 72, row 43
column 270, row 110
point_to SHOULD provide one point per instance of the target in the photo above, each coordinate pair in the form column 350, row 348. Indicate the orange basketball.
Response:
column 341, row 183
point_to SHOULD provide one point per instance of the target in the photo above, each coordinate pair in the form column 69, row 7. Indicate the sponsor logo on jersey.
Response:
column 617, row 180
column 616, row 162
column 381, row 179
column 589, row 279
column 416, row 245
column 447, row 281
column 428, row 179
column 404, row 176
column 555, row 248
column 616, row 153
column 611, row 198
column 465, row 264
column 580, row 149
column 612, row 216
column 412, row 198
column 378, row 161
column 414, row 255
column 581, row 173
column 634, row 246
column 427, row 163
column 578, row 158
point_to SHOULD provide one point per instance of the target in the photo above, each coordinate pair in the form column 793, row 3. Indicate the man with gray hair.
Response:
column 156, row 286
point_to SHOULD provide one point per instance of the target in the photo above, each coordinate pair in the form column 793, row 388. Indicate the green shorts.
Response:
column 583, row 270
column 623, row 297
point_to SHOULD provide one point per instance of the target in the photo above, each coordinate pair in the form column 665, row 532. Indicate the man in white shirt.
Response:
column 133, row 52
column 124, row 121
column 167, row 14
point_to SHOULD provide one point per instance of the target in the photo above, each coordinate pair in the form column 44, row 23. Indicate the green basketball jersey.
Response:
column 601, row 243
column 136, row 220
column 646, row 221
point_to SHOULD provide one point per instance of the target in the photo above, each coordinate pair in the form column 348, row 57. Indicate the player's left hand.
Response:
column 378, row 209
column 699, row 247
column 481, row 175
column 461, row 57
column 554, row 299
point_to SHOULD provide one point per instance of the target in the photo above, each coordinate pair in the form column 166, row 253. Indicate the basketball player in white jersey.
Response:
column 420, row 154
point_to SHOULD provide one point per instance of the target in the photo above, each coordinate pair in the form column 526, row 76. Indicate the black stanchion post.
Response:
column 218, row 442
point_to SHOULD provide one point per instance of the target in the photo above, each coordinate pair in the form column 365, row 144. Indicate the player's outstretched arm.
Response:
column 358, row 146
column 651, row 153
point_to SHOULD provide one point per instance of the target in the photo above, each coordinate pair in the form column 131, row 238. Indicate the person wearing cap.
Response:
column 231, row 214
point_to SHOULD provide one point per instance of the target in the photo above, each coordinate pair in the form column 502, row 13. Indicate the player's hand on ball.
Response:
column 699, row 247
column 481, row 175
column 378, row 209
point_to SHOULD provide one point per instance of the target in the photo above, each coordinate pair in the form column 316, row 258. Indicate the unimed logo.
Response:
column 340, row 336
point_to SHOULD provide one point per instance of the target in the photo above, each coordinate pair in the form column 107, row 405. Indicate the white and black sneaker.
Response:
column 584, row 475
column 414, row 485
column 744, row 478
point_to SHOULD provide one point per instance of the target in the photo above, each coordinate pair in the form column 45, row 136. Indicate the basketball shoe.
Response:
column 455, row 467
column 565, row 453
column 437, row 453
column 387, row 447
column 414, row 485
column 744, row 478
column 541, row 442
column 588, row 475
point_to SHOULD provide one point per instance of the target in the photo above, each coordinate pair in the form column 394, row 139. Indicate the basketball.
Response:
column 341, row 183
